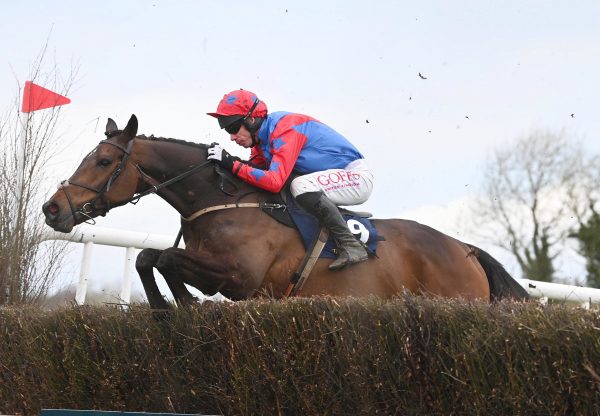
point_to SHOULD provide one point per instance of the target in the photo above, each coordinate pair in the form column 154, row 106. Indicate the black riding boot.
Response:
column 351, row 250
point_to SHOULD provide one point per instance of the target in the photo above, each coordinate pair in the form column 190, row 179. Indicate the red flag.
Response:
column 37, row 98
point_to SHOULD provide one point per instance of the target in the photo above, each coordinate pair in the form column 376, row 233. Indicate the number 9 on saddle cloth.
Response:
column 308, row 226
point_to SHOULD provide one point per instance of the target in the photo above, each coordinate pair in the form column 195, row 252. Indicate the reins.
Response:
column 89, row 207
column 155, row 188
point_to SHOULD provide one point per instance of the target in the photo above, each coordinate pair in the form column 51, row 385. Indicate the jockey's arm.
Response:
column 285, row 150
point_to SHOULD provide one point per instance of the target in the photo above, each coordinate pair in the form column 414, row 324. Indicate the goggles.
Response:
column 234, row 127
column 233, row 124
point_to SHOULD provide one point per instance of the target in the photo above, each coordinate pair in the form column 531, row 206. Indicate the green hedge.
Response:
column 410, row 355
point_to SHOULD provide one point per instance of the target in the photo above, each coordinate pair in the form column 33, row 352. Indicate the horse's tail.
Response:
column 502, row 284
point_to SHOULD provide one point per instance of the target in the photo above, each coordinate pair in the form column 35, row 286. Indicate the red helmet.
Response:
column 240, row 103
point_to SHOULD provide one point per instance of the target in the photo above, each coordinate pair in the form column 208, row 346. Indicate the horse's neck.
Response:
column 164, row 160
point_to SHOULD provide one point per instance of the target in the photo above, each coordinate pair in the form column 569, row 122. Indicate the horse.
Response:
column 243, row 252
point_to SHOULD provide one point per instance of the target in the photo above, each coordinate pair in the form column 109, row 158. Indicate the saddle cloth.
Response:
column 308, row 226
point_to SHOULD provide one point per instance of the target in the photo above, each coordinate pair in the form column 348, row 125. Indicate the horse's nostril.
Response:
column 50, row 209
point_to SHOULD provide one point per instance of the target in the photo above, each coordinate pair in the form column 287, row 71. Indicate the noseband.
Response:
column 89, row 207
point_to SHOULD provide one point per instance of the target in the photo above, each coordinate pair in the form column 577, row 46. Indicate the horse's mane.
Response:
column 178, row 141
column 196, row 145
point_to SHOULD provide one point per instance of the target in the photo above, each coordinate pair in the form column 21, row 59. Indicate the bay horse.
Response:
column 244, row 252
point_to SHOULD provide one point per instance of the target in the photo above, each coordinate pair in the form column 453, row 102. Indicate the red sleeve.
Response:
column 285, row 150
column 257, row 158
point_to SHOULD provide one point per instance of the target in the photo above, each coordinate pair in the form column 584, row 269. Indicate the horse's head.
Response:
column 104, row 179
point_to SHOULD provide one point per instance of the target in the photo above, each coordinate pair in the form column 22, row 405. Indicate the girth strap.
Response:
column 230, row 206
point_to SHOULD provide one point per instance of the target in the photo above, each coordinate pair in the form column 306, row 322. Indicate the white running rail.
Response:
column 546, row 290
column 131, row 240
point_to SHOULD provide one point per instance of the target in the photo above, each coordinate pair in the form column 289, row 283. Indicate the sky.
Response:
column 495, row 72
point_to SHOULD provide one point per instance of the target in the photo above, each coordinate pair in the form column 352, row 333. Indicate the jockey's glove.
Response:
column 221, row 156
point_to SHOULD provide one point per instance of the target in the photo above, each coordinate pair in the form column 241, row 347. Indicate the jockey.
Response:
column 333, row 172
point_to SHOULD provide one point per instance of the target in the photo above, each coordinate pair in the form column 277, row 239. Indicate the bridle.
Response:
column 89, row 207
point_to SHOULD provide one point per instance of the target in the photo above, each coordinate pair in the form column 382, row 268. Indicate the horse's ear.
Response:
column 132, row 126
column 111, row 126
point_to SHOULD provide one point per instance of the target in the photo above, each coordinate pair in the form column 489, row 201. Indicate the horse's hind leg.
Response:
column 144, row 264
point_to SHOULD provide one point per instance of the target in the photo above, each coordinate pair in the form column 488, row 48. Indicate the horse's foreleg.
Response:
column 204, row 271
column 168, row 265
column 144, row 264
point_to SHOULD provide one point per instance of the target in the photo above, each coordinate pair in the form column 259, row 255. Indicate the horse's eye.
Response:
column 104, row 162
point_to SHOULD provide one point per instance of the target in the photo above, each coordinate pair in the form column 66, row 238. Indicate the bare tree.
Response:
column 527, row 206
column 27, row 269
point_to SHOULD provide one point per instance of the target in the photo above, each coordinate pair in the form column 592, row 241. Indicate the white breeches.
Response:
column 349, row 186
